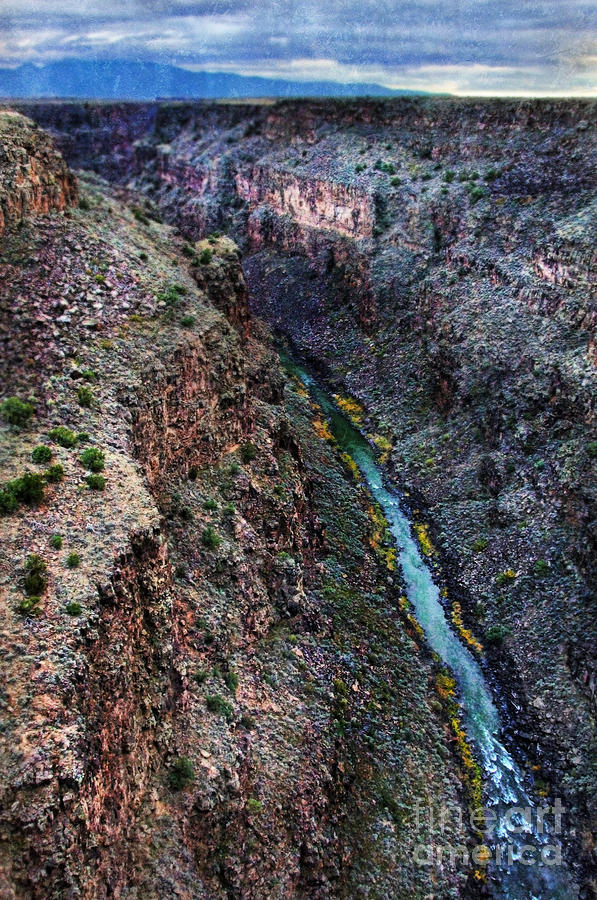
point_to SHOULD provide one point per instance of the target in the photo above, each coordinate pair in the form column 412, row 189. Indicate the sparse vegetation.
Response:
column 27, row 489
column 85, row 396
column 497, row 634
column 73, row 560
column 206, row 256
column 505, row 577
column 210, row 538
column 248, row 452
column 93, row 459
column 35, row 582
column 217, row 704
column 54, row 474
column 41, row 454
column 29, row 606
column 96, row 482
column 182, row 774
column 63, row 436
column 16, row 412
column 73, row 608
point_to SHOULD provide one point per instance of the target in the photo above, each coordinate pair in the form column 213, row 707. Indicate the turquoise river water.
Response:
column 525, row 848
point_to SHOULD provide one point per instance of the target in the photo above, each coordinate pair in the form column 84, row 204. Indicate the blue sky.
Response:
column 460, row 46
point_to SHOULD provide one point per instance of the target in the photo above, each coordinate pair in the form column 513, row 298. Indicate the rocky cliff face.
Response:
column 212, row 684
column 33, row 176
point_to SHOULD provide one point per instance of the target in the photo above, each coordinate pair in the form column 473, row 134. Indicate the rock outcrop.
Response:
column 33, row 176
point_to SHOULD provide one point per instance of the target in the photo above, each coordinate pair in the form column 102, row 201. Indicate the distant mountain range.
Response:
column 123, row 79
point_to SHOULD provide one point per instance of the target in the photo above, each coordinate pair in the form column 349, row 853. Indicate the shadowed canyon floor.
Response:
column 215, row 684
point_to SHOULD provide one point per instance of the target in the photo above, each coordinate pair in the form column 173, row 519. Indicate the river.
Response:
column 526, row 859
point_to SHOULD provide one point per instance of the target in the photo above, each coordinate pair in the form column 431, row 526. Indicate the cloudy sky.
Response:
column 523, row 47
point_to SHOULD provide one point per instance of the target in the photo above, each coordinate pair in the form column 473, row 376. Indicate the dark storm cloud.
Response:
column 461, row 45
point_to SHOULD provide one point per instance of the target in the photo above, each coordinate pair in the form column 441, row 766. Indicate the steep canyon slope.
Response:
column 434, row 260
column 212, row 684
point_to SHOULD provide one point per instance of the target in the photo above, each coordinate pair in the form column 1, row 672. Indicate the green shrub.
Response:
column 54, row 474
column 480, row 544
column 229, row 509
column 592, row 449
column 395, row 182
column 216, row 704
column 491, row 174
column 28, row 488
column 233, row 468
column 193, row 473
column 140, row 216
column 187, row 251
column 73, row 560
column 56, row 542
column 211, row 538
column 248, row 452
column 84, row 203
column 496, row 634
column 360, row 167
column 188, row 321
column 41, row 454
column 83, row 437
column 74, row 608
column 93, row 459
column 63, row 436
column 201, row 676
column 143, row 256
column 16, row 412
column 542, row 567
column 186, row 514
column 36, row 581
column 182, row 774
column 210, row 505
column 206, row 256
column 476, row 193
column 29, row 606
column 254, row 805
column 247, row 721
column 96, row 482
column 449, row 176
column 89, row 375
column 505, row 577
column 232, row 681
column 85, row 396
column 8, row 500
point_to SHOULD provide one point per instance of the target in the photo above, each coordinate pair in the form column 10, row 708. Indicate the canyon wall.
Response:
column 458, row 307
column 212, row 686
